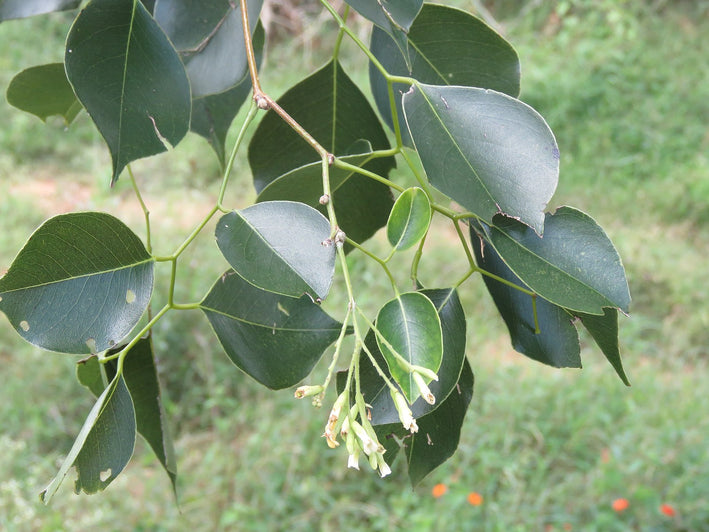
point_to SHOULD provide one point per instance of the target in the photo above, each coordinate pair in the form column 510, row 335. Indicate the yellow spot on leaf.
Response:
column 105, row 475
column 130, row 296
column 24, row 326
column 91, row 344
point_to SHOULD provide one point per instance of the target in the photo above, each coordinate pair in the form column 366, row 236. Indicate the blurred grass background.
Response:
column 625, row 87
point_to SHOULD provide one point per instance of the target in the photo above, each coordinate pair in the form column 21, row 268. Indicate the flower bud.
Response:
column 405, row 414
column 307, row 391
column 332, row 422
column 384, row 468
column 423, row 388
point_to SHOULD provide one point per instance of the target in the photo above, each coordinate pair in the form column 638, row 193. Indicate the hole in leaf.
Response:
column 105, row 475
column 91, row 344
column 130, row 296
column 24, row 326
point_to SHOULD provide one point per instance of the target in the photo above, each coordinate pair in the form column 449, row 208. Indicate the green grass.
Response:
column 625, row 90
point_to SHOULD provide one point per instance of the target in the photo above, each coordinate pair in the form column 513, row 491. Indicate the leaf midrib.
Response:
column 553, row 267
column 75, row 277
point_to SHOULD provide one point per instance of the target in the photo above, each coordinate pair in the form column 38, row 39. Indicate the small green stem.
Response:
column 146, row 212
column 405, row 364
column 123, row 352
column 338, row 348
column 379, row 261
column 253, row 109
column 339, row 163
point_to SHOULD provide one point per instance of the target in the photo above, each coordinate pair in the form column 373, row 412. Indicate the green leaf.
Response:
column 141, row 378
column 487, row 151
column 439, row 432
column 447, row 46
column 209, row 35
column 275, row 339
column 10, row 9
column 79, row 285
column 392, row 16
column 44, row 91
column 212, row 115
column 556, row 343
column 90, row 375
column 304, row 184
column 129, row 78
column 410, row 325
column 361, row 205
column 409, row 219
column 604, row 330
column 574, row 266
column 278, row 247
column 336, row 113
column 376, row 392
column 387, row 14
column 104, row 445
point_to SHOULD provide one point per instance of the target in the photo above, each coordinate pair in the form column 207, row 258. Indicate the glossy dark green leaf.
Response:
column 304, row 184
column 375, row 390
column 557, row 342
column 278, row 247
column 392, row 16
column 361, row 205
column 409, row 219
column 209, row 36
column 79, row 285
column 439, row 432
column 604, row 330
column 488, row 151
column 336, row 113
column 104, row 445
column 574, row 265
column 212, row 115
column 44, row 91
column 411, row 326
column 149, row 5
column 10, row 9
column 275, row 339
column 129, row 78
column 447, row 46
column 141, row 378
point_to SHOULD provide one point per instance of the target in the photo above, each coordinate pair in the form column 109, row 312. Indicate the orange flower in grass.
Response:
column 668, row 510
column 620, row 505
column 474, row 498
column 439, row 490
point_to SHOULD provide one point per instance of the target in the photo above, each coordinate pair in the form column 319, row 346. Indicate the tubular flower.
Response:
column 405, row 414
column 423, row 388
column 369, row 444
column 331, row 427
